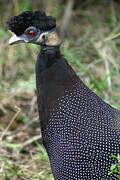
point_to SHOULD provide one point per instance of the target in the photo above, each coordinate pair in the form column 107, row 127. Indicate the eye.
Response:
column 31, row 33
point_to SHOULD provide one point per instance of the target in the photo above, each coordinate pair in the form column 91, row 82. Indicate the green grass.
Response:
column 115, row 168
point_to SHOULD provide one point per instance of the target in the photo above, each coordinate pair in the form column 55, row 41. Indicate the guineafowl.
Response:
column 79, row 130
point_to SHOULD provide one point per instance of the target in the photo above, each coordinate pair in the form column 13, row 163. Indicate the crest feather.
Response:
column 39, row 19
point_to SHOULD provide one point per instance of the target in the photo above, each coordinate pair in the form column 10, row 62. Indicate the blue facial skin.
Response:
column 26, row 37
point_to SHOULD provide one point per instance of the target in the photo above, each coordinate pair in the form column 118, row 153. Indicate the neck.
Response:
column 53, row 78
column 47, row 57
column 45, row 49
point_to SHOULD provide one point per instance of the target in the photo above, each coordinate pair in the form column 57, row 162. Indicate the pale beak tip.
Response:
column 14, row 40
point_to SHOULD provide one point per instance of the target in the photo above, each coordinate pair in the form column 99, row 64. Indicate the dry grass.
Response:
column 21, row 154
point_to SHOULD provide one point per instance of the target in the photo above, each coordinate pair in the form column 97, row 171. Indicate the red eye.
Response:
column 31, row 33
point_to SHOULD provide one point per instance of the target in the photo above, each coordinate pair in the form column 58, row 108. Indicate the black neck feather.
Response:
column 53, row 77
column 50, row 49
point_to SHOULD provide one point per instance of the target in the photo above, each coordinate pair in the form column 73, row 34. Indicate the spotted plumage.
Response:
column 79, row 130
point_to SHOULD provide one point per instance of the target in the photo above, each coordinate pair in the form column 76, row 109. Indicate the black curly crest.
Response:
column 18, row 24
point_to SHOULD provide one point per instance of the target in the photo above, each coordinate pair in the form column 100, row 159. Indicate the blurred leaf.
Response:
column 30, row 84
column 26, row 5
column 112, row 37
column 2, row 33
column 33, row 46
column 112, row 21
column 104, row 83
column 113, row 167
column 24, row 118
column 12, row 145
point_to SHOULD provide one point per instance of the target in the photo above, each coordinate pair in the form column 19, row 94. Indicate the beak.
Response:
column 16, row 39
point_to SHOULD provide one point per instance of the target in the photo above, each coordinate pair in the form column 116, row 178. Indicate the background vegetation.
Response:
column 84, row 24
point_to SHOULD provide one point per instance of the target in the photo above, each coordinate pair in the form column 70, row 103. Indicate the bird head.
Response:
column 33, row 27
